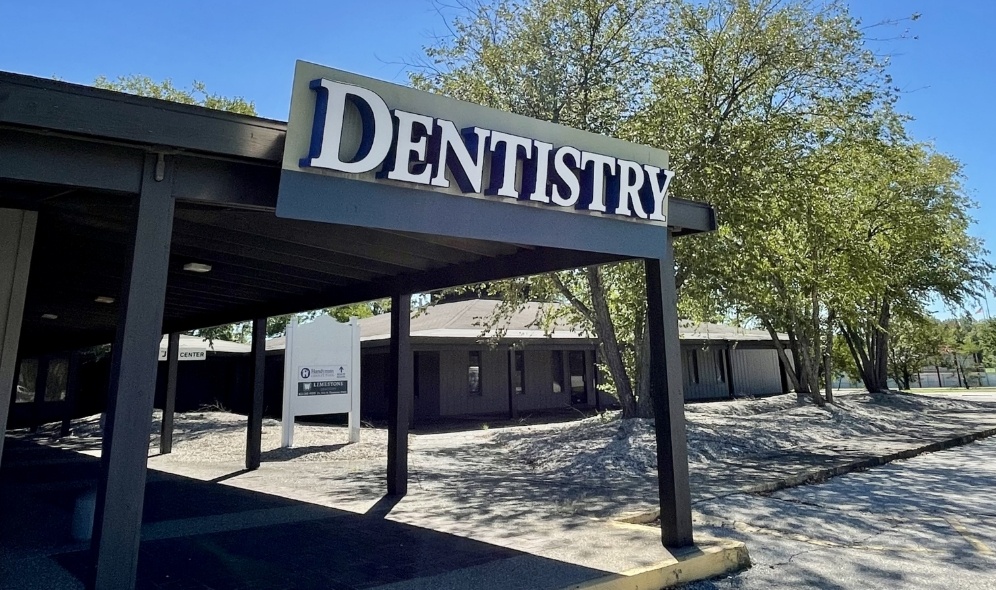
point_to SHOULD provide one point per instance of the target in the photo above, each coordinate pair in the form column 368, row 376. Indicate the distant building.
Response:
column 457, row 372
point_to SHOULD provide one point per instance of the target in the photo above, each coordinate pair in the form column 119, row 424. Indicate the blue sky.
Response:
column 248, row 48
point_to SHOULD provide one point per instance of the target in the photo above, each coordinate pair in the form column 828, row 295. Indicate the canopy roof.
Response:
column 76, row 155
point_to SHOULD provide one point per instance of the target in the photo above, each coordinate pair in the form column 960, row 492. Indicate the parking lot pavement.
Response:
column 927, row 522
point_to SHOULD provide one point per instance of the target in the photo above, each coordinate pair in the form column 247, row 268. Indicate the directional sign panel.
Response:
column 322, row 370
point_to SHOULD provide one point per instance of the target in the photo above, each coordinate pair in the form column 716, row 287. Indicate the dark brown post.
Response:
column 121, row 487
column 399, row 395
column 729, row 370
column 668, row 399
column 169, row 403
column 589, row 378
column 513, row 411
column 254, row 436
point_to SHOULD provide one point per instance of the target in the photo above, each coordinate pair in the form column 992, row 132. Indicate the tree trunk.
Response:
column 609, row 344
column 780, row 351
column 963, row 376
column 810, row 368
column 800, row 383
column 856, row 345
column 828, row 357
column 882, row 347
column 644, row 405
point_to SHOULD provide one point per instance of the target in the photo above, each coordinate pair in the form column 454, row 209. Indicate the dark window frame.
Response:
column 21, row 381
column 416, row 358
column 693, row 366
column 557, row 370
column 474, row 360
column 519, row 372
column 582, row 396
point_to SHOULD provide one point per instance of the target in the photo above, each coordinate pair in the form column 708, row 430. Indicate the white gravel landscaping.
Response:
column 597, row 447
column 724, row 431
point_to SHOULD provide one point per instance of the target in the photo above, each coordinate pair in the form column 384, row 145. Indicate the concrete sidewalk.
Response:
column 516, row 528
column 211, row 528
column 459, row 490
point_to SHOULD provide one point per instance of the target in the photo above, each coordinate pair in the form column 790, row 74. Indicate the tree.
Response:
column 914, row 342
column 581, row 63
column 277, row 325
column 763, row 100
column 909, row 243
column 984, row 337
column 784, row 122
column 777, row 114
column 165, row 90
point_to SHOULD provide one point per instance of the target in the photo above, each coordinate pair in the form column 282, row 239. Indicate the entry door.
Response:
column 579, row 385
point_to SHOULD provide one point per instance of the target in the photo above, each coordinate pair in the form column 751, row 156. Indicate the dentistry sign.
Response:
column 360, row 129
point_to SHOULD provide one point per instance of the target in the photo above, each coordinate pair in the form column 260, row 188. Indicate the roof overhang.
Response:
column 76, row 155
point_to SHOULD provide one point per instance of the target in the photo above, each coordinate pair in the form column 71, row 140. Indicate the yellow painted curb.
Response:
column 703, row 561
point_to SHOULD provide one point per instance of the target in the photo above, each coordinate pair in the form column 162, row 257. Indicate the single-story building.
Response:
column 75, row 383
column 459, row 373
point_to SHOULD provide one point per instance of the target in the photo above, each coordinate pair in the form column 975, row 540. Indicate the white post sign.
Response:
column 321, row 373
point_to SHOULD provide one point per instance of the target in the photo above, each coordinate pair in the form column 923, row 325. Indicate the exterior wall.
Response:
column 443, row 389
column 427, row 392
column 455, row 398
column 756, row 371
column 712, row 372
column 373, row 383
column 539, row 394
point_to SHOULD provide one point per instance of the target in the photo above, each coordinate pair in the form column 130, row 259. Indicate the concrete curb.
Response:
column 826, row 473
column 706, row 560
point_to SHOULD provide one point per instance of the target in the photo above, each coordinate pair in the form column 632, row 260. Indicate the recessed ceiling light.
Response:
column 49, row 316
column 197, row 267
column 104, row 299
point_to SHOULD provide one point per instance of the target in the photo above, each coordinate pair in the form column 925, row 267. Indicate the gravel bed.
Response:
column 601, row 446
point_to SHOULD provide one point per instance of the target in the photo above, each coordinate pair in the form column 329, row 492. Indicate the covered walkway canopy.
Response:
column 112, row 207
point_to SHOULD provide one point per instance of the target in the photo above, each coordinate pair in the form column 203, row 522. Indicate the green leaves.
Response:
column 776, row 113
column 165, row 90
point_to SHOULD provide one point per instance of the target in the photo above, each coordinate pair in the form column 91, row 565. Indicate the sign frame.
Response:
column 321, row 373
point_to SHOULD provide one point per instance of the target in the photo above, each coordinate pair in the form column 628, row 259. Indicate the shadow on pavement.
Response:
column 199, row 535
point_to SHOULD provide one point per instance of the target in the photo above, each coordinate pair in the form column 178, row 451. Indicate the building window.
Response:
column 27, row 380
column 579, row 386
column 58, row 378
column 474, row 372
column 720, row 365
column 416, row 362
column 519, row 372
column 557, row 370
column 692, row 365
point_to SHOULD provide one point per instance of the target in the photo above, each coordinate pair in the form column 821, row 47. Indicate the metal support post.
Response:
column 121, row 487
column 169, row 403
column 401, row 390
column 254, row 436
column 668, row 400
